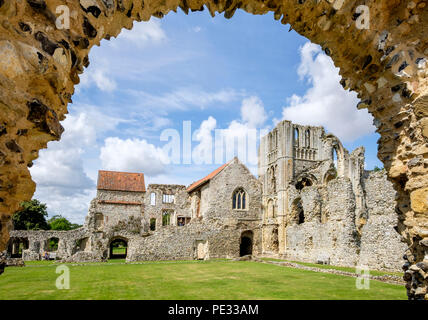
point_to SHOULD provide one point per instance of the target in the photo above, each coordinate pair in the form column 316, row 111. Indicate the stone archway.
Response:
column 118, row 248
column 381, row 49
column 17, row 246
column 246, row 243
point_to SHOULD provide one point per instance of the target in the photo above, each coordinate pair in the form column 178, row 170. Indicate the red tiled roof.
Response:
column 199, row 183
column 121, row 181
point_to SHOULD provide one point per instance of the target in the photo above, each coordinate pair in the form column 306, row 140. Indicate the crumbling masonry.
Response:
column 385, row 62
column 305, row 206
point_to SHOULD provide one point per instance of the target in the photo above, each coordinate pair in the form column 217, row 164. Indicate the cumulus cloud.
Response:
column 143, row 33
column 103, row 74
column 203, row 152
column 62, row 181
column 326, row 103
column 132, row 155
column 240, row 138
column 253, row 112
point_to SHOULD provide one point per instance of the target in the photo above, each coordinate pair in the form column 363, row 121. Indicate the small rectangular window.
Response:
column 181, row 221
column 168, row 198
column 166, row 218
column 153, row 199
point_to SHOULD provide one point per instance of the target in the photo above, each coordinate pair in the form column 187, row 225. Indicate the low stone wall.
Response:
column 38, row 242
column 215, row 239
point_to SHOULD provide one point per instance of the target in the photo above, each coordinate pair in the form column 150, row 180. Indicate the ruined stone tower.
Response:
column 314, row 198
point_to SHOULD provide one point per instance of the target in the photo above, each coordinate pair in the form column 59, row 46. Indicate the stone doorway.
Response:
column 17, row 246
column 118, row 249
column 246, row 245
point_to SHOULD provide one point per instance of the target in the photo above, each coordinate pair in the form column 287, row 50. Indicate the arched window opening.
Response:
column 53, row 244
column 307, row 139
column 303, row 182
column 330, row 175
column 296, row 137
column 17, row 246
column 334, row 156
column 118, row 248
column 246, row 244
column 81, row 245
column 297, row 211
column 239, row 200
column 270, row 209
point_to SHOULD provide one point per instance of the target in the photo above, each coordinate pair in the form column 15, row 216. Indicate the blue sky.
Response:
column 242, row 74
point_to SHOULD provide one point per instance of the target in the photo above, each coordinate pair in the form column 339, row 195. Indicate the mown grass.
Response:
column 186, row 280
column 347, row 269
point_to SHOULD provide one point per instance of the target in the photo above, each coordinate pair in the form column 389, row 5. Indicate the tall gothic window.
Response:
column 239, row 199
column 296, row 137
column 307, row 138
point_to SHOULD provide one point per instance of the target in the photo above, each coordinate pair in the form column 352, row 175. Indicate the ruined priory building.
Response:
column 380, row 47
column 306, row 206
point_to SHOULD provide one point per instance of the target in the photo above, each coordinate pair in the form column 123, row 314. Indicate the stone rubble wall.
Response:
column 38, row 242
column 180, row 206
column 333, row 241
column 381, row 244
column 180, row 243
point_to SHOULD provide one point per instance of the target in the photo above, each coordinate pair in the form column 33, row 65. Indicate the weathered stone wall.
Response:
column 114, row 206
column 216, row 235
column 381, row 244
column 38, row 242
column 179, row 243
column 221, row 188
column 348, row 214
column 179, row 208
column 334, row 240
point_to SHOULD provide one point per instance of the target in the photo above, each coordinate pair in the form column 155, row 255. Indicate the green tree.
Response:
column 32, row 216
column 59, row 222
column 376, row 169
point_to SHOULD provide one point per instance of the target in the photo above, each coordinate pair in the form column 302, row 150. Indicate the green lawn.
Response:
column 119, row 250
column 186, row 280
column 347, row 269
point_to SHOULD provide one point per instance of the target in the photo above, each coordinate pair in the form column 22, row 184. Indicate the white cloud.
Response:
column 240, row 138
column 185, row 98
column 203, row 152
column 106, row 69
column 142, row 34
column 59, row 172
column 101, row 77
column 326, row 103
column 132, row 155
column 253, row 112
column 72, row 206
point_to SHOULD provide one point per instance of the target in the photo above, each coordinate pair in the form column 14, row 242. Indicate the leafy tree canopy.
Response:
column 32, row 216
column 59, row 222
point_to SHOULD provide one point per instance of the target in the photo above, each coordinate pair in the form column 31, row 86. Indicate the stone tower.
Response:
column 294, row 156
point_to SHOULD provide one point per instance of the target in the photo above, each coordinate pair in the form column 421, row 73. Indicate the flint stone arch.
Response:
column 384, row 61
